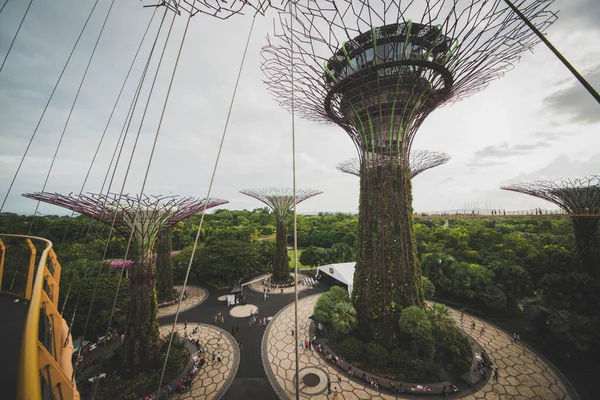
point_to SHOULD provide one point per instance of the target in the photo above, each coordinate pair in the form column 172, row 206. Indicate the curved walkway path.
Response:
column 196, row 296
column 523, row 375
column 214, row 378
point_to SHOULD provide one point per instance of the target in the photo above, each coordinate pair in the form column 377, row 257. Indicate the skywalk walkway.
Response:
column 13, row 312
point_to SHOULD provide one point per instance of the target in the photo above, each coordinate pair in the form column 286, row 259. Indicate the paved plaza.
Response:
column 214, row 378
column 259, row 287
column 523, row 375
column 196, row 296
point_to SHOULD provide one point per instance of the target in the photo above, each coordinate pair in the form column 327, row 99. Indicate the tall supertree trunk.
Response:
column 142, row 346
column 164, row 265
column 281, row 262
column 387, row 276
column 585, row 230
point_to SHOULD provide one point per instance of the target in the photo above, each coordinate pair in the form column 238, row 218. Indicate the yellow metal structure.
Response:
column 44, row 366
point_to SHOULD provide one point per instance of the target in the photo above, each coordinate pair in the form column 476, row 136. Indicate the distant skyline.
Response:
column 537, row 122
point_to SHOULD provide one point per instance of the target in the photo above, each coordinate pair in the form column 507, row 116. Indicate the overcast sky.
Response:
column 535, row 123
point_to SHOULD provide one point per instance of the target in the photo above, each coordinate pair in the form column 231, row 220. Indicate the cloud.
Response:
column 503, row 150
column 574, row 101
column 580, row 13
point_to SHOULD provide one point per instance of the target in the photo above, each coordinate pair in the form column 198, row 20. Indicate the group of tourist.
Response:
column 254, row 319
column 483, row 363
column 219, row 318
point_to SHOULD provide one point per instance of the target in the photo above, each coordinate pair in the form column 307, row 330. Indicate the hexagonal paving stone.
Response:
column 518, row 366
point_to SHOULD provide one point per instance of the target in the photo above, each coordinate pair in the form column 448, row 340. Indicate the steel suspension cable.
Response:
column 16, row 33
column 62, row 135
column 96, row 383
column 126, row 126
column 296, row 327
column 210, row 185
column 46, row 106
column 98, row 223
column 3, row 5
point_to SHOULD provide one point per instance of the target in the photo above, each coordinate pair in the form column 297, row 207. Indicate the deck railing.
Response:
column 45, row 368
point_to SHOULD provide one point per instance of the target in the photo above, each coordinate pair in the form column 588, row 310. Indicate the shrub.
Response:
column 351, row 349
column 454, row 352
column 494, row 297
column 428, row 288
column 416, row 370
column 377, row 355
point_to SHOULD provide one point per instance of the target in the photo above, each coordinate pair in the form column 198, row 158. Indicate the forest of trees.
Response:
column 523, row 266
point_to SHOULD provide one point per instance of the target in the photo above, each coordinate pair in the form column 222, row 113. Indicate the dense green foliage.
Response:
column 499, row 266
column 116, row 386
column 335, row 310
column 428, row 337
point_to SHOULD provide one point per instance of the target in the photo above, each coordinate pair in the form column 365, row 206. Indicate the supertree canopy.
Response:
column 419, row 161
column 281, row 201
column 146, row 217
column 378, row 69
column 217, row 8
column 581, row 199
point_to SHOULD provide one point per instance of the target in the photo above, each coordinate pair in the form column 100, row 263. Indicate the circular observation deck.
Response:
column 381, row 81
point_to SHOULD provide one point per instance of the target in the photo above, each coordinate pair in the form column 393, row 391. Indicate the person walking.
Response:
column 232, row 330
column 301, row 345
column 496, row 374
column 237, row 326
column 184, row 325
column 293, row 331
column 241, row 345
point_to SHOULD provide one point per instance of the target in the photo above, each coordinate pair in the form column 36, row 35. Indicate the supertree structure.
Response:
column 371, row 69
column 220, row 9
column 281, row 201
column 142, row 218
column 580, row 198
column 419, row 161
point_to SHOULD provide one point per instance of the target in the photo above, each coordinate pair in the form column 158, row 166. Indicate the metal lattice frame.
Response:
column 141, row 218
column 449, row 50
column 378, row 69
column 420, row 161
column 280, row 200
column 220, row 9
column 580, row 198
column 156, row 213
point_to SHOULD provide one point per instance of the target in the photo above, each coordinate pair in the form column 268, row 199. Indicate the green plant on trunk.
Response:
column 281, row 262
column 388, row 275
column 142, row 345
column 164, row 267
column 586, row 240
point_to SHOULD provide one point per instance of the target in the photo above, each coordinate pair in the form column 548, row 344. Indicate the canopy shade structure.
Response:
column 343, row 272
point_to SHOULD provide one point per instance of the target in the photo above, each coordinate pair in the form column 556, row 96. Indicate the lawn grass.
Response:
column 291, row 256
